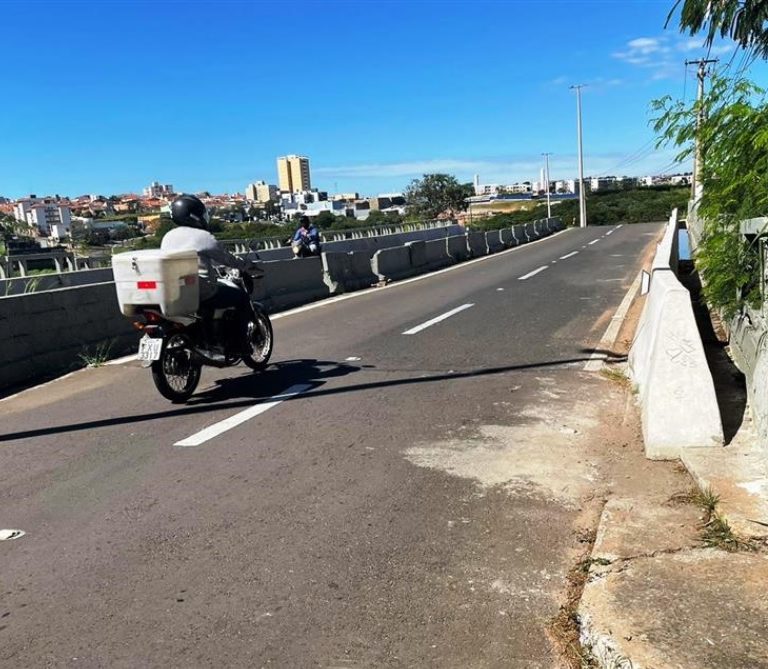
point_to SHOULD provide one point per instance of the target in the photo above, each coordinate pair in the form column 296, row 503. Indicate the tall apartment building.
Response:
column 156, row 190
column 48, row 216
column 261, row 192
column 293, row 174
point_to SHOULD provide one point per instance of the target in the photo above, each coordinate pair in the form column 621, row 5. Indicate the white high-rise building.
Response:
column 158, row 190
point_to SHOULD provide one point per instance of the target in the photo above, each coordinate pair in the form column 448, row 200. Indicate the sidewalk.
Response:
column 682, row 582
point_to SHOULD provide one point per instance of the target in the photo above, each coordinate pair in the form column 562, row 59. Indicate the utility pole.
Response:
column 697, row 156
column 546, row 172
column 582, row 200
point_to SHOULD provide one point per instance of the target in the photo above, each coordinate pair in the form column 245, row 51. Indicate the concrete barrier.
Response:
column 344, row 272
column 392, row 264
column 457, row 247
column 43, row 334
column 478, row 245
column 507, row 236
column 289, row 283
column 493, row 240
column 530, row 232
column 418, row 253
column 437, row 254
column 520, row 235
column 677, row 396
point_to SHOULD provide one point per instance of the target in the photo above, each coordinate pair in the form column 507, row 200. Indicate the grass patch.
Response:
column 564, row 628
column 98, row 356
column 717, row 533
column 616, row 376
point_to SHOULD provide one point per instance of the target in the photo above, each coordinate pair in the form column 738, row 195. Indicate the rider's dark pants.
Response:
column 228, row 297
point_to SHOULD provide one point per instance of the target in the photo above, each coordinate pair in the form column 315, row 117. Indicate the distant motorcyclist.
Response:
column 306, row 239
column 191, row 216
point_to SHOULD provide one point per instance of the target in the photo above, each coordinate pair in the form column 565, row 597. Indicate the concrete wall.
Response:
column 677, row 395
column 43, row 334
column 20, row 285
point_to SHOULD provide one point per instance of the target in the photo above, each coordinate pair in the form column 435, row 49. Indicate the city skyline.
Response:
column 399, row 94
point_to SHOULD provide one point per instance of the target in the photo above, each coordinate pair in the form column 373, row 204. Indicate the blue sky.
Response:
column 104, row 97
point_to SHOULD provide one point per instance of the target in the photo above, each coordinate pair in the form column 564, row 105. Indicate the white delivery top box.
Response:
column 165, row 280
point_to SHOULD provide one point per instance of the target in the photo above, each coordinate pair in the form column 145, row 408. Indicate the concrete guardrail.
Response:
column 677, row 396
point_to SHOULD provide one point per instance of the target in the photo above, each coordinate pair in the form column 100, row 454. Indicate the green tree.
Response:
column 731, row 124
column 744, row 21
column 435, row 194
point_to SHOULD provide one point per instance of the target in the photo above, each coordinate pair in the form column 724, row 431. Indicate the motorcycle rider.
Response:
column 191, row 216
column 306, row 239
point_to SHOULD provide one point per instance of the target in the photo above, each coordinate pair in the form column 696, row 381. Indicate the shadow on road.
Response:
column 249, row 389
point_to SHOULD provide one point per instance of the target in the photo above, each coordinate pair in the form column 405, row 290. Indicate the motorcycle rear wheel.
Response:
column 176, row 374
column 261, row 341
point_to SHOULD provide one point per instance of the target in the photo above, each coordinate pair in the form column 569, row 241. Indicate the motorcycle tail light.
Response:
column 146, row 285
column 152, row 317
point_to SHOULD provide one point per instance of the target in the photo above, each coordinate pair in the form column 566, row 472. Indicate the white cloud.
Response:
column 515, row 168
column 663, row 56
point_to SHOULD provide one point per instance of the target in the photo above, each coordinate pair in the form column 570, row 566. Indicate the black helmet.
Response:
column 190, row 211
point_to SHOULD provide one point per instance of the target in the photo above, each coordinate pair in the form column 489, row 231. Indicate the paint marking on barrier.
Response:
column 569, row 255
column 242, row 416
column 530, row 274
column 595, row 362
column 437, row 319
column 594, row 241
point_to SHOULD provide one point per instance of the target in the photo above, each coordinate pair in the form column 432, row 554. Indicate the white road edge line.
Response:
column 594, row 241
column 595, row 362
column 437, row 319
column 241, row 417
column 569, row 255
column 530, row 274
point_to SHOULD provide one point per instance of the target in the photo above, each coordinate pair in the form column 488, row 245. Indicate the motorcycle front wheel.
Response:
column 260, row 340
column 176, row 374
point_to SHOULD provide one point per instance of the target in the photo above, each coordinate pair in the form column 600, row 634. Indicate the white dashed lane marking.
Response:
column 241, row 417
column 569, row 255
column 437, row 319
column 530, row 274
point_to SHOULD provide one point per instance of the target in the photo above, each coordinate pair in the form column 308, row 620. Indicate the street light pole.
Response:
column 546, row 172
column 582, row 200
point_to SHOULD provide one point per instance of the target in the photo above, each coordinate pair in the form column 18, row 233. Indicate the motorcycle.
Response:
column 177, row 347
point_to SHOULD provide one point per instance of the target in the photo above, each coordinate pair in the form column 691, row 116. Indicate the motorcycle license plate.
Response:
column 150, row 348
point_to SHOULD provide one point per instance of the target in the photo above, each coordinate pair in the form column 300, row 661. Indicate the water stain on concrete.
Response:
column 544, row 456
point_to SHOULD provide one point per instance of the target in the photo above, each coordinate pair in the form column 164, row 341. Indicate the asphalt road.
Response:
column 399, row 510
